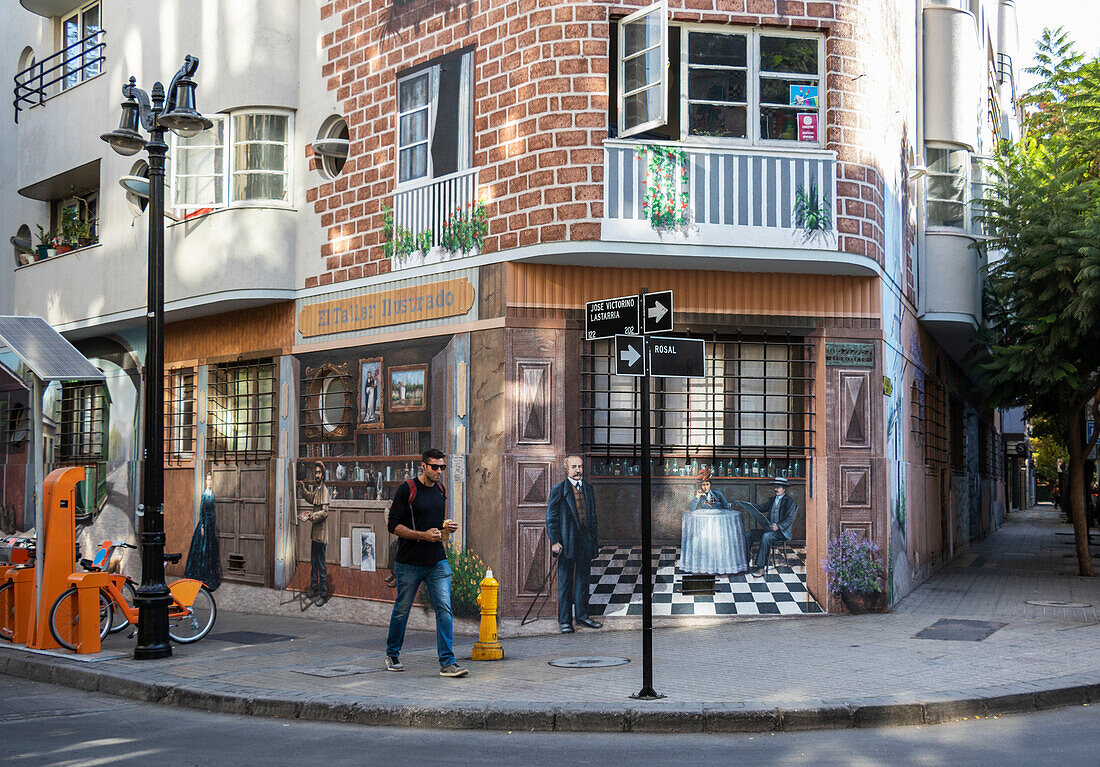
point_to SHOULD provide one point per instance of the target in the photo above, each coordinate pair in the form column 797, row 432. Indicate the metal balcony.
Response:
column 65, row 69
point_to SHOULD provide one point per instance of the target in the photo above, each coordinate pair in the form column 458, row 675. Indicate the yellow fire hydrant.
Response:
column 487, row 646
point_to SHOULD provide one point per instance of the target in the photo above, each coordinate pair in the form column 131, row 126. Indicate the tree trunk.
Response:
column 1074, row 494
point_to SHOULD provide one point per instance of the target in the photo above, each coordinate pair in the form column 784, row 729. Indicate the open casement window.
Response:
column 643, row 70
column 435, row 118
column 200, row 168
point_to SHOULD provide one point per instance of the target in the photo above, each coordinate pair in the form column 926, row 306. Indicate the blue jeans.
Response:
column 438, row 578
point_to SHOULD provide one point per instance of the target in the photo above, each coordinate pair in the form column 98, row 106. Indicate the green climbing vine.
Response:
column 666, row 187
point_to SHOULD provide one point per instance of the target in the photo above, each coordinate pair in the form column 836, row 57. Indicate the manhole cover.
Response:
column 959, row 630
column 1056, row 603
column 589, row 662
column 332, row 671
column 248, row 637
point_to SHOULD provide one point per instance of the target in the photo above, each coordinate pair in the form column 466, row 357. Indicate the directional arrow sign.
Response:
column 629, row 355
column 676, row 357
column 611, row 317
column 657, row 312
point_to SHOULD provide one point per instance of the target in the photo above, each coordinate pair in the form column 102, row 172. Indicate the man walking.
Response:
column 317, row 497
column 779, row 513
column 418, row 518
column 571, row 526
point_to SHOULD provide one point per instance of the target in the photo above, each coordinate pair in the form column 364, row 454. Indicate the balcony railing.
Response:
column 68, row 67
column 422, row 208
column 750, row 197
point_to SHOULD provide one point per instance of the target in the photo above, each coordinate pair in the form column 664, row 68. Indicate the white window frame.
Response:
column 659, row 9
column 430, row 107
column 754, row 74
column 78, row 71
column 965, row 178
column 226, row 173
column 232, row 142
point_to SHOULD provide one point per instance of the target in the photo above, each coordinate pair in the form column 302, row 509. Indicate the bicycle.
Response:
column 190, row 616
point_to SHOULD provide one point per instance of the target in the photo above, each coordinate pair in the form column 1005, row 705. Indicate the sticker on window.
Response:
column 803, row 96
column 807, row 126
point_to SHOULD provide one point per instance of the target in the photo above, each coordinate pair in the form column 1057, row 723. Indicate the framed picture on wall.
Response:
column 363, row 550
column 370, row 393
column 408, row 387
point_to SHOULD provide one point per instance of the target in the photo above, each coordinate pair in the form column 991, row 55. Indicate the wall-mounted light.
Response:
column 916, row 171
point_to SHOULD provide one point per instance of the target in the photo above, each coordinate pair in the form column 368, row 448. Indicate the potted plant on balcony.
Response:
column 46, row 246
column 70, row 230
column 855, row 573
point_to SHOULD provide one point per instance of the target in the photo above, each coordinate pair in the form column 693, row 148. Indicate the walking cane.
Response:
column 550, row 575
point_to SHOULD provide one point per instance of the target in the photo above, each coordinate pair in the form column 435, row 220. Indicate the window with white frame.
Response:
column 244, row 159
column 179, row 413
column 82, row 61
column 435, row 118
column 948, row 185
column 725, row 83
column 957, row 185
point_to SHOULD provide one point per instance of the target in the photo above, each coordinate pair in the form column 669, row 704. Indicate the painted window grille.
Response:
column 179, row 414
column 83, row 423
column 241, row 410
column 957, row 444
column 930, row 419
column 755, row 406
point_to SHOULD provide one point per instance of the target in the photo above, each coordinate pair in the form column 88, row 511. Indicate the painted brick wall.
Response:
column 540, row 113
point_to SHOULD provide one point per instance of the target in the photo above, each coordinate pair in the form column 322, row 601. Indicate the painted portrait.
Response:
column 370, row 393
column 408, row 384
column 363, row 548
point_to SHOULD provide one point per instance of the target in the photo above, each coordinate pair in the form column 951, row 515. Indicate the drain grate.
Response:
column 594, row 661
column 959, row 630
column 1056, row 603
column 248, row 637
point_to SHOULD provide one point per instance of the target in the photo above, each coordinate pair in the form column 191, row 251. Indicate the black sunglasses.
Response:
column 436, row 466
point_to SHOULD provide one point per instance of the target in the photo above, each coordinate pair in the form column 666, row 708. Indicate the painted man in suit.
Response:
column 571, row 526
column 780, row 512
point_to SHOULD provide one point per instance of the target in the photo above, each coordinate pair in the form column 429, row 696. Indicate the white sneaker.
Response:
column 453, row 670
column 393, row 664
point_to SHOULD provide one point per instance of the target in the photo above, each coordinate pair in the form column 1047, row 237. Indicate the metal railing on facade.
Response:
column 67, row 68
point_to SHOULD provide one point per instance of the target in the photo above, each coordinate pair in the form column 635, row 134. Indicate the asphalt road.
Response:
column 45, row 725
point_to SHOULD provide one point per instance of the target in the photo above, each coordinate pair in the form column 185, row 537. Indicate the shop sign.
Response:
column 850, row 355
column 414, row 303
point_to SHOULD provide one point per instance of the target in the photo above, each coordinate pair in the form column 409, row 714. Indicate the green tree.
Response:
column 1042, row 329
column 1048, row 446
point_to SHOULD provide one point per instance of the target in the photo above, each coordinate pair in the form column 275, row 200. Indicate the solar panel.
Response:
column 45, row 351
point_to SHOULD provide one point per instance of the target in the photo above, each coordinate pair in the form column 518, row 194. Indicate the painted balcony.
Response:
column 753, row 197
column 435, row 220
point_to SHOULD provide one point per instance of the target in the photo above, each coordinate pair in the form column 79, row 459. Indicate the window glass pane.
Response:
column 414, row 162
column 414, row 127
column 946, row 160
column 788, row 54
column 642, row 33
column 717, row 49
column 643, row 70
column 259, row 157
column 413, row 93
column 91, row 26
column 259, row 186
column 779, row 124
column 714, row 120
column 717, row 85
column 778, row 91
column 643, row 106
column 259, row 127
column 944, row 187
column 946, row 214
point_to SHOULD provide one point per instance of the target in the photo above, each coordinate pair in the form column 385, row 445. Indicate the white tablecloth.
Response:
column 712, row 541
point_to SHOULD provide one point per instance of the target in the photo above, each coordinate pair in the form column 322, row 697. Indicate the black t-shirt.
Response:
column 429, row 510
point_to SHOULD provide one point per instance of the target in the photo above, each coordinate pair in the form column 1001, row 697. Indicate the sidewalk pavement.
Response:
column 784, row 673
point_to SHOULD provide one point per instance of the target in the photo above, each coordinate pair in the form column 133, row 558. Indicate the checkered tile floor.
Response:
column 616, row 573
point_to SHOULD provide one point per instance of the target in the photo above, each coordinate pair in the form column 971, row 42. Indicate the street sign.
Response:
column 612, row 317
column 676, row 357
column 629, row 356
column 657, row 312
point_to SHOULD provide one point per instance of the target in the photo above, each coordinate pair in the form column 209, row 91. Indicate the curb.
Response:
column 749, row 716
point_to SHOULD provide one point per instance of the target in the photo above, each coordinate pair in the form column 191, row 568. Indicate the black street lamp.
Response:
column 156, row 116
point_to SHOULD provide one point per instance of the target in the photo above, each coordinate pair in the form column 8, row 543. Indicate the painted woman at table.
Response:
column 707, row 498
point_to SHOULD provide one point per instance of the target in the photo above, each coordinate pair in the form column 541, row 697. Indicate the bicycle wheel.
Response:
column 120, row 620
column 7, row 611
column 64, row 618
column 193, row 623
